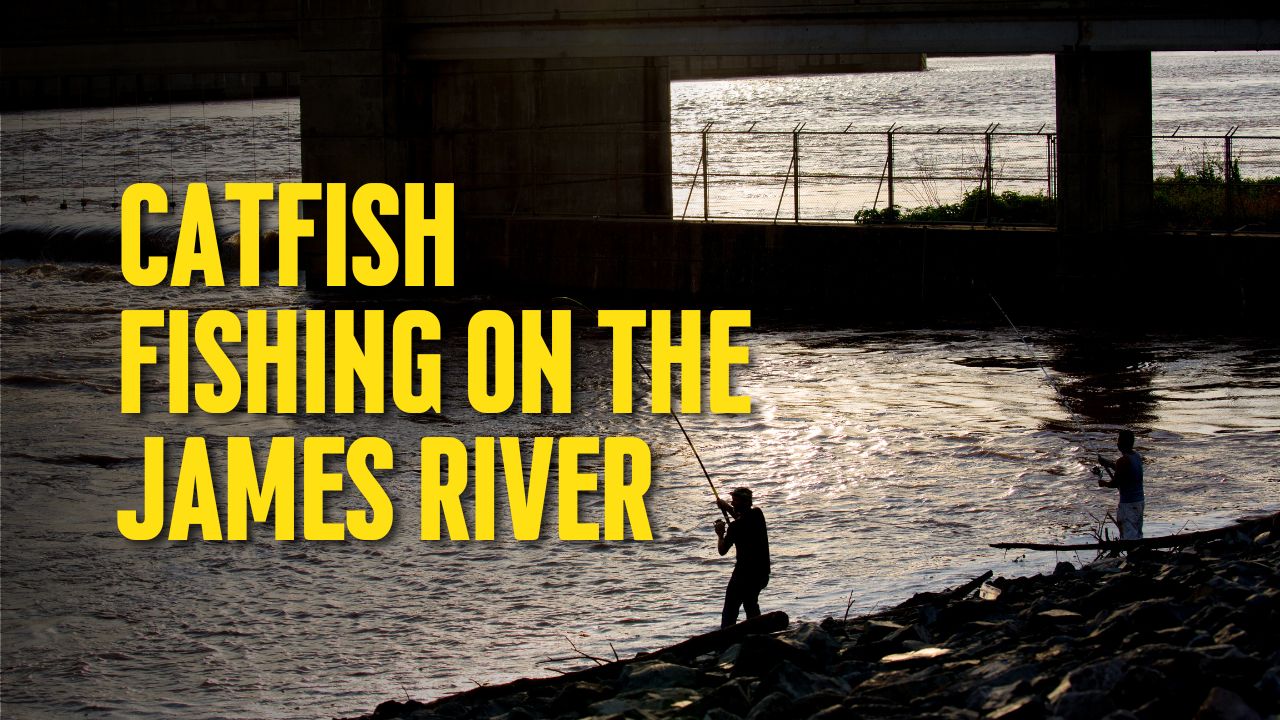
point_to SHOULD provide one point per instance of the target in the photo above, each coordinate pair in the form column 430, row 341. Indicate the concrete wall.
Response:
column 877, row 273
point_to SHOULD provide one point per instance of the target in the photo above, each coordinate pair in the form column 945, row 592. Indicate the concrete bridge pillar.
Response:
column 1104, row 140
column 578, row 137
column 365, row 116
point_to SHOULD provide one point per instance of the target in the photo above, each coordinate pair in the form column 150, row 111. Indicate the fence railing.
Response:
column 845, row 176
column 1229, row 181
column 992, row 176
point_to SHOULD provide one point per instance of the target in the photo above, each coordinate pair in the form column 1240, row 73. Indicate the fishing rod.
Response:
column 671, row 412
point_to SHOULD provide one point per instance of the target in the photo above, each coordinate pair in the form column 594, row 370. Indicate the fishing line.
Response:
column 673, row 414
column 1066, row 401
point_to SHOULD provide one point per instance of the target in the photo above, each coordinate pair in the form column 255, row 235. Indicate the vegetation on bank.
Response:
column 1210, row 196
column 1203, row 197
column 1006, row 208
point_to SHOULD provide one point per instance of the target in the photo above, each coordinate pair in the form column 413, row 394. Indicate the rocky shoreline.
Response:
column 1189, row 632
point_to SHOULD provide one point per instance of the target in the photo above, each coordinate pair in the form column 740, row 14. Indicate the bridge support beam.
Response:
column 1104, row 140
column 364, row 116
column 577, row 137
column 580, row 137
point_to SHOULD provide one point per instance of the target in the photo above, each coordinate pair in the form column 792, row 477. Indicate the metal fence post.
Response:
column 795, row 164
column 1048, row 166
column 1228, row 181
column 889, row 166
column 986, row 171
column 706, row 177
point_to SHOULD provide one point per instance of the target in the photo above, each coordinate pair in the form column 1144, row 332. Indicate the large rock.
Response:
column 853, row 672
column 654, row 701
column 796, row 682
column 1139, row 686
column 1024, row 708
column 915, row 631
column 1269, row 685
column 1100, row 677
column 734, row 696
column 1227, row 665
column 756, row 655
column 819, row 642
column 908, row 686
column 1144, row 616
column 575, row 696
column 774, row 706
column 990, row 699
column 1082, row 704
column 836, row 712
column 1222, row 704
column 658, row 674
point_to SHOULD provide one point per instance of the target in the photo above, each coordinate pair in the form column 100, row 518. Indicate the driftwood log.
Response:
column 959, row 593
column 1247, row 526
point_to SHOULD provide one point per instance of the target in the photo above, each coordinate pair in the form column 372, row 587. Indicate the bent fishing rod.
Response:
column 671, row 412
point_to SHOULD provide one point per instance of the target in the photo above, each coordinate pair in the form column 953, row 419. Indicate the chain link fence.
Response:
column 1228, row 181
column 851, row 176
column 80, row 161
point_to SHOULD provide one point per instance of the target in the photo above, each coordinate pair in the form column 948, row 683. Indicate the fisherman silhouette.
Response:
column 1125, row 474
column 751, row 570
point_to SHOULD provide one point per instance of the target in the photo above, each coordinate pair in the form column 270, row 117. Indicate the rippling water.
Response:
column 884, row 461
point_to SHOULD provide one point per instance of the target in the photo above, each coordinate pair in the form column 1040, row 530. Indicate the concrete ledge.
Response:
column 878, row 273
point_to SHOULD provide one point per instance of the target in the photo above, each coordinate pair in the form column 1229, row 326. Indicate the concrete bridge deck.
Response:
column 457, row 30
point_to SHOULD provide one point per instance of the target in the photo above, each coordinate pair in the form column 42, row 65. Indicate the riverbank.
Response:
column 1188, row 632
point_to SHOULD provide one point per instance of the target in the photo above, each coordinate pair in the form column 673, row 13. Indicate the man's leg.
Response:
column 751, row 601
column 732, row 599
column 1129, row 518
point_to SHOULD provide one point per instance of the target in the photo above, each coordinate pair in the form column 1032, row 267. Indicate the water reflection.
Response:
column 1105, row 381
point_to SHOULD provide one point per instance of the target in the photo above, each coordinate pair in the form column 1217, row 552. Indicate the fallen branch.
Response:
column 593, row 658
column 945, row 596
column 963, row 591
column 1167, row 541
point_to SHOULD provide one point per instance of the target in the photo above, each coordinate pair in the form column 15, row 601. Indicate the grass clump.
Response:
column 1006, row 208
column 1209, row 196
column 1204, row 196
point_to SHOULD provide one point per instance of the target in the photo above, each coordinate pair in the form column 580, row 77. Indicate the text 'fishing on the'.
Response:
column 343, row 351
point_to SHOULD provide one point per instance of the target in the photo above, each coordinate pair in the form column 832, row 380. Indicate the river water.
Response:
column 885, row 461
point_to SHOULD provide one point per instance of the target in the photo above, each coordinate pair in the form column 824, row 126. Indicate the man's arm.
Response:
column 1110, row 467
column 727, row 507
column 724, row 543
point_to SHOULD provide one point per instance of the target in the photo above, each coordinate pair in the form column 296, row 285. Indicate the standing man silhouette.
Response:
column 1125, row 474
column 751, row 570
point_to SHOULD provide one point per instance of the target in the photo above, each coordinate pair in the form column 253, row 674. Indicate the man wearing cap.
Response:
column 751, row 571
